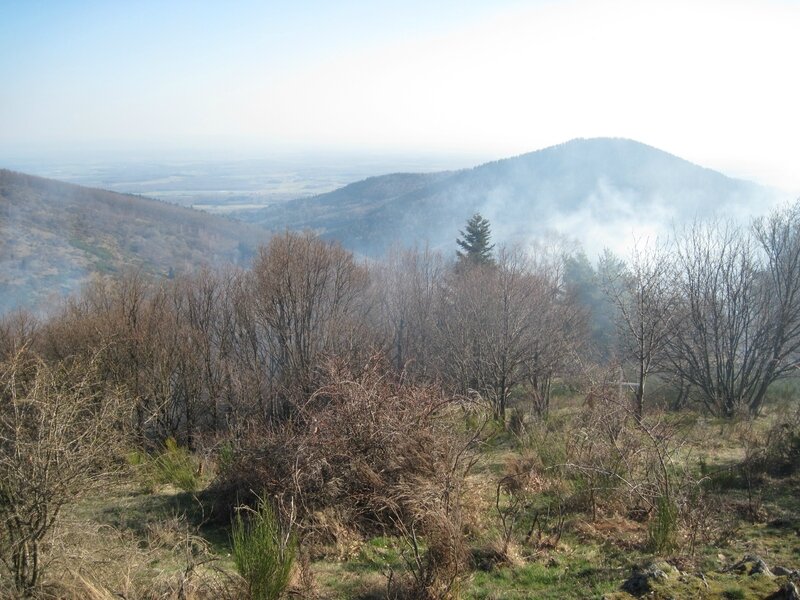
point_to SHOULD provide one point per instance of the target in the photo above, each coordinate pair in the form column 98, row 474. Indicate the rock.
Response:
column 784, row 572
column 640, row 581
column 750, row 565
column 760, row 568
column 702, row 578
column 787, row 592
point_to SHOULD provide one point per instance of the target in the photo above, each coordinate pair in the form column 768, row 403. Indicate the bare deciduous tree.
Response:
column 306, row 295
column 17, row 330
column 58, row 428
column 409, row 283
column 559, row 328
column 643, row 298
column 738, row 325
column 779, row 238
column 504, row 324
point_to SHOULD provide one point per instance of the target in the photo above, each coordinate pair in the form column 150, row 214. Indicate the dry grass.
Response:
column 161, row 560
column 129, row 544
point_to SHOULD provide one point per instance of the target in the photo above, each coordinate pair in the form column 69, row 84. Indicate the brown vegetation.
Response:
column 361, row 400
column 59, row 426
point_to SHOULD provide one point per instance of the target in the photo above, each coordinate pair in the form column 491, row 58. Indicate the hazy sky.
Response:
column 714, row 82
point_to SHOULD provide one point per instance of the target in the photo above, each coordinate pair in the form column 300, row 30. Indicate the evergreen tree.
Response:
column 474, row 241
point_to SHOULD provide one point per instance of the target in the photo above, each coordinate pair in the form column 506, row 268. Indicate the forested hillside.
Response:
column 54, row 236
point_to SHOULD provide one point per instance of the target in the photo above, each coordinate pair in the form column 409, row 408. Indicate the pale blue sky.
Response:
column 712, row 81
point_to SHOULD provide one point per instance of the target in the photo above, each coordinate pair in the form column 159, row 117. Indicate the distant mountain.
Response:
column 599, row 191
column 54, row 236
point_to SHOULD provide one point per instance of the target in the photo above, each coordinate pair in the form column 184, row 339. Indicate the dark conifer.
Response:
column 474, row 241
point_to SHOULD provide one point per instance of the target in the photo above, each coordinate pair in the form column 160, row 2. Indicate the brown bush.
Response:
column 380, row 455
column 58, row 433
column 607, row 462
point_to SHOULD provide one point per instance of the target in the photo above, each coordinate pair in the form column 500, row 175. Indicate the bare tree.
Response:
column 17, row 330
column 739, row 320
column 307, row 292
column 409, row 282
column 779, row 238
column 251, row 369
column 203, row 343
column 559, row 328
column 642, row 295
column 504, row 324
column 509, row 337
column 129, row 317
column 472, row 347
column 58, row 428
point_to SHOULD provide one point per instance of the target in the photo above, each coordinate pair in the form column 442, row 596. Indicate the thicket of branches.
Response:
column 715, row 312
column 205, row 354
column 59, row 425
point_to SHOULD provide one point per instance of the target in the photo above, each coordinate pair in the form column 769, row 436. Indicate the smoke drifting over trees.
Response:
column 598, row 191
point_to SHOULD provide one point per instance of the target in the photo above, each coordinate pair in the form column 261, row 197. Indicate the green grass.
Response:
column 173, row 465
column 734, row 593
column 82, row 244
column 572, row 579
column 377, row 556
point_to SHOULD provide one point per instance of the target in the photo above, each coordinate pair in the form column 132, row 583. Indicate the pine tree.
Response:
column 474, row 241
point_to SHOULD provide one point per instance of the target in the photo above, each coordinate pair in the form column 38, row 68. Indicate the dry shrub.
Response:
column 529, row 511
column 59, row 428
column 211, row 585
column 341, row 541
column 371, row 454
column 781, row 455
column 607, row 462
column 769, row 452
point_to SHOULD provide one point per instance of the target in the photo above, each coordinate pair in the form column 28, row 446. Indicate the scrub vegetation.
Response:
column 506, row 423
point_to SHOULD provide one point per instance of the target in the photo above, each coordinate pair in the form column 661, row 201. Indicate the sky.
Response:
column 711, row 81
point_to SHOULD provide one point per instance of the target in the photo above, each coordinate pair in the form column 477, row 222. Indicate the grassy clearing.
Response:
column 144, row 534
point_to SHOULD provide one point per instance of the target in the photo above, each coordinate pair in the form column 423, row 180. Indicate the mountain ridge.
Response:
column 527, row 195
column 54, row 236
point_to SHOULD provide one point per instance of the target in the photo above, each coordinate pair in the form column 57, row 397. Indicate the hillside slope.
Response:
column 54, row 236
column 594, row 190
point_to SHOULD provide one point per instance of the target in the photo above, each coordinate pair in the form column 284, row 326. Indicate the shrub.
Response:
column 380, row 455
column 175, row 466
column 58, row 430
column 782, row 451
column 662, row 531
column 263, row 553
column 516, row 423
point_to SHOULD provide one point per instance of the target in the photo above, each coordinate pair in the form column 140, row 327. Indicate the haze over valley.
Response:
column 585, row 195
column 227, row 183
column 599, row 193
